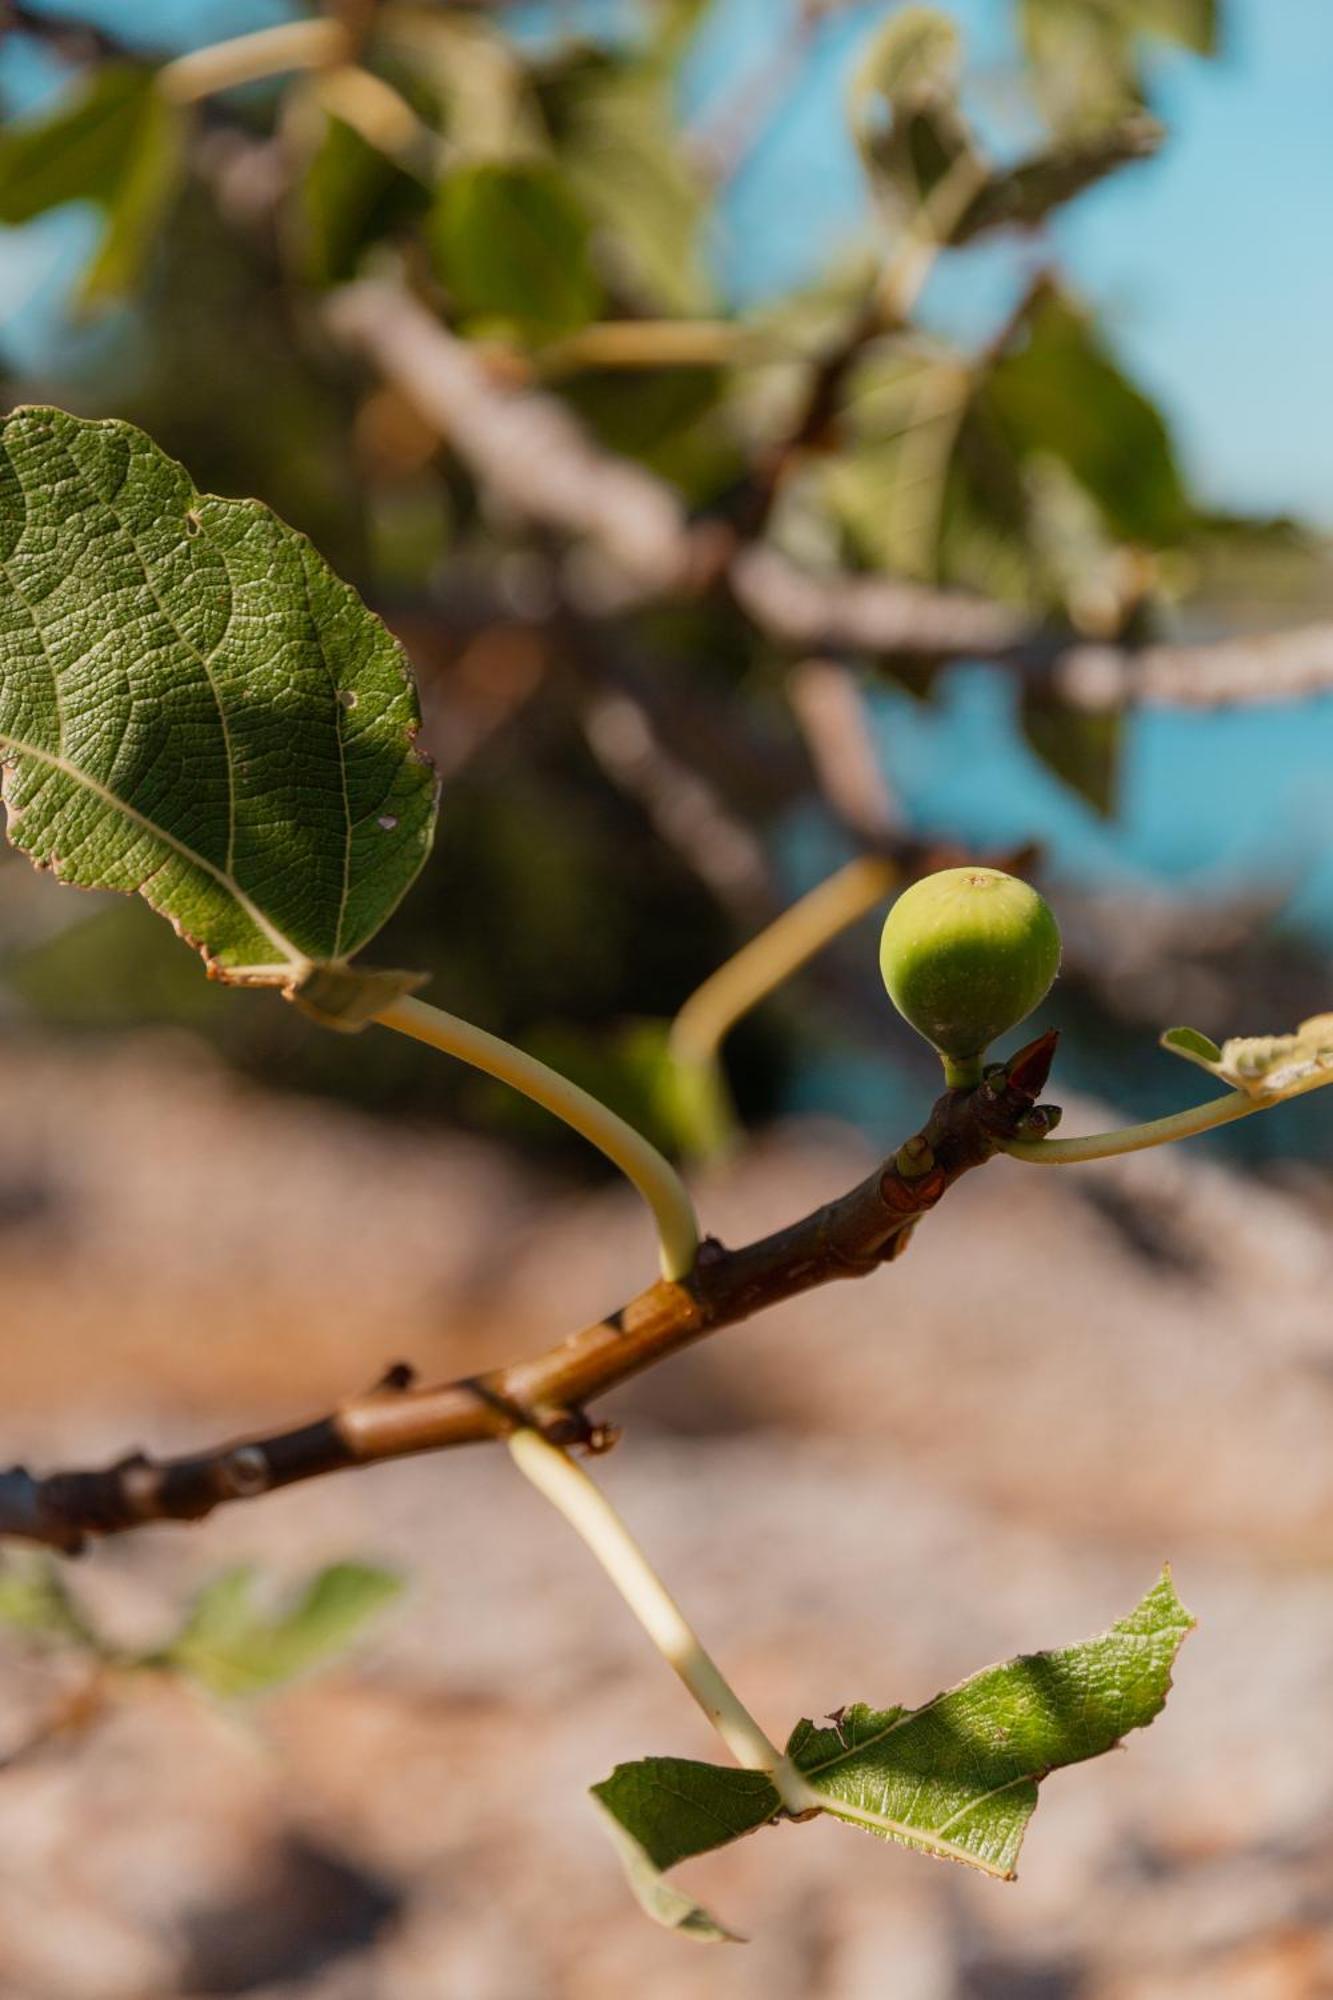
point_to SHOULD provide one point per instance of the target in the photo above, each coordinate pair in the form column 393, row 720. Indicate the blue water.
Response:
column 1210, row 800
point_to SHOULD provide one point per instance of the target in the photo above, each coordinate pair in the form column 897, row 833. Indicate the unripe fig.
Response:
column 966, row 955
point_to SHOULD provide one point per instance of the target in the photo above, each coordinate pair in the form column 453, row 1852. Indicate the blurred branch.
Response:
column 1261, row 667
column 826, row 700
column 860, row 613
column 684, row 809
column 529, row 454
column 848, row 1238
column 647, row 343
column 525, row 449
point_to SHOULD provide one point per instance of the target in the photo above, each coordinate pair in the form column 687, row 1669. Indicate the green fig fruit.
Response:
column 966, row 955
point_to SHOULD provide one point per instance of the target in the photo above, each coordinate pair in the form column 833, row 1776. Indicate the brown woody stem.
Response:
column 847, row 1238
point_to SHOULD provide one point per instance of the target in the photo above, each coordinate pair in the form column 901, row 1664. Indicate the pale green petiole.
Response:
column 652, row 1174
column 762, row 965
column 1138, row 1138
column 569, row 1489
column 275, row 51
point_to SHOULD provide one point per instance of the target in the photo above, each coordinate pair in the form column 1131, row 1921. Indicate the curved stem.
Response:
column 1138, row 1138
column 568, row 1488
column 381, row 116
column 313, row 44
column 652, row 1174
column 762, row 965
column 647, row 343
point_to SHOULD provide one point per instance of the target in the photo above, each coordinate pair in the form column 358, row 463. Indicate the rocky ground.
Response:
column 864, row 1496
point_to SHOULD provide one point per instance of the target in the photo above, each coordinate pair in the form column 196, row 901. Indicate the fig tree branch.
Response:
column 850, row 1237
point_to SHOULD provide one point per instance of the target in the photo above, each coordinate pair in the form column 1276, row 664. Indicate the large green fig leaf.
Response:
column 1263, row 1066
column 956, row 1778
column 194, row 708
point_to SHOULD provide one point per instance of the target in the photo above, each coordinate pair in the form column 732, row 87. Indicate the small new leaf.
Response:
column 194, row 708
column 1263, row 1066
column 957, row 1778
column 234, row 1648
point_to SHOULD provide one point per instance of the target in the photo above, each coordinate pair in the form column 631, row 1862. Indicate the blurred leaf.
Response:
column 511, row 245
column 136, row 203
column 1057, row 390
column 613, row 124
column 348, row 197
column 672, row 25
column 1023, row 196
column 1082, row 749
column 956, row 1778
column 1265, row 1066
column 235, row 1648
column 472, row 74
column 914, row 56
column 1078, row 564
column 33, row 1599
column 888, row 486
column 1085, row 56
column 904, row 112
column 1082, row 61
column 74, row 152
column 986, row 541
column 664, row 1810
column 195, row 709
column 116, row 143
column 1193, row 24
column 671, row 420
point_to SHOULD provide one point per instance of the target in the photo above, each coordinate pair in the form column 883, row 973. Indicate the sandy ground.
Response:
column 865, row 1496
